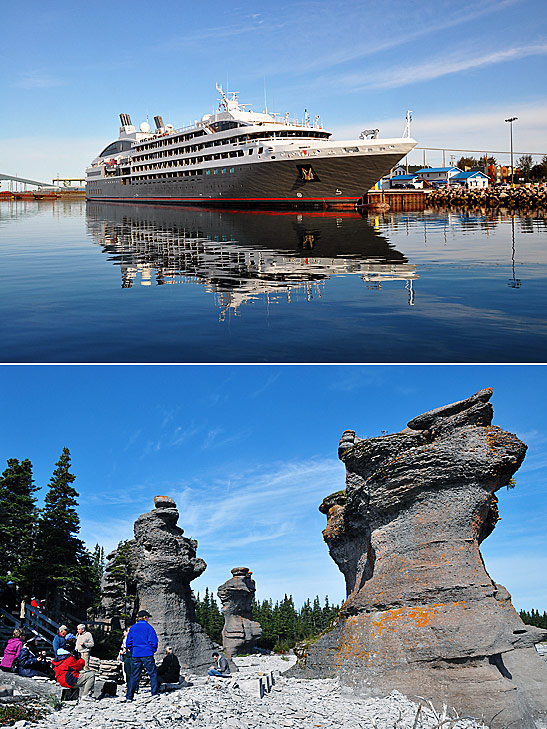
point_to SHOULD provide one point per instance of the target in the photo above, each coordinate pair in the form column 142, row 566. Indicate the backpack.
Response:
column 109, row 689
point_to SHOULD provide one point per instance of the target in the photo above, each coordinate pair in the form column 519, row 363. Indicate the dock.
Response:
column 394, row 200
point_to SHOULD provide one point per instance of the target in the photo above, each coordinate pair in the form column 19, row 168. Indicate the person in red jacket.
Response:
column 69, row 673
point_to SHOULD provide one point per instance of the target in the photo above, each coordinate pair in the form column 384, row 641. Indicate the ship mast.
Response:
column 228, row 104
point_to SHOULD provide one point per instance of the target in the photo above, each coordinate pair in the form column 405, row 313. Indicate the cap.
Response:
column 143, row 614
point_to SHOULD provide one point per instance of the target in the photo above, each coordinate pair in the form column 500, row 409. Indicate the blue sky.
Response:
column 249, row 452
column 461, row 67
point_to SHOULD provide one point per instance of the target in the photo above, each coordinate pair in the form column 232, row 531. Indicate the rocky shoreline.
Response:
column 518, row 198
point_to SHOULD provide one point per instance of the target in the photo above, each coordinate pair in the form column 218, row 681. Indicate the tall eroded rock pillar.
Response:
column 166, row 563
column 421, row 614
column 240, row 633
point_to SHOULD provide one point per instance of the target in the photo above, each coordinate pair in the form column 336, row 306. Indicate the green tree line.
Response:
column 283, row 625
column 41, row 553
column 534, row 618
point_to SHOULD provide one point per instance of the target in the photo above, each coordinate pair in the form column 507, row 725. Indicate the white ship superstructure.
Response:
column 240, row 157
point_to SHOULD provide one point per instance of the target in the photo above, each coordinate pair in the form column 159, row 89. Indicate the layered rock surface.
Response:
column 240, row 633
column 166, row 564
column 157, row 567
column 422, row 615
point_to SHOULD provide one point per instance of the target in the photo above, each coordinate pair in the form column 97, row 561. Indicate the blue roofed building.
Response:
column 437, row 175
column 472, row 179
column 404, row 181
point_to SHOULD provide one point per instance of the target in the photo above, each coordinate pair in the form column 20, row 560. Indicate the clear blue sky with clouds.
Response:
column 461, row 67
column 249, row 452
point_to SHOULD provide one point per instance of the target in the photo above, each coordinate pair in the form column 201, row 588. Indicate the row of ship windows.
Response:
column 194, row 160
column 171, row 140
column 185, row 173
column 169, row 175
column 219, row 142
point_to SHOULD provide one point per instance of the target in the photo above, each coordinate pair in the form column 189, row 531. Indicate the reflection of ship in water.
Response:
column 241, row 256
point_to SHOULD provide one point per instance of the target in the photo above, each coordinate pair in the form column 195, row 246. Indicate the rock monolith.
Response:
column 240, row 633
column 422, row 615
column 166, row 564
column 153, row 572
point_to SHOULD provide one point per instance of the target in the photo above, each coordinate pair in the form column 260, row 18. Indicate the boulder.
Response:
column 422, row 615
column 240, row 633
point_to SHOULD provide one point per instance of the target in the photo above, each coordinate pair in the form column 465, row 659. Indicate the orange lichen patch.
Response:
column 421, row 616
column 335, row 522
column 389, row 636
column 497, row 439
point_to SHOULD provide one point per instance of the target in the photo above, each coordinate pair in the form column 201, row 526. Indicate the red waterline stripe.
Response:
column 230, row 199
column 263, row 211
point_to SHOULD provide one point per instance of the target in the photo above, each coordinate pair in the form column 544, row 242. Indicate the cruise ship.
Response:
column 237, row 157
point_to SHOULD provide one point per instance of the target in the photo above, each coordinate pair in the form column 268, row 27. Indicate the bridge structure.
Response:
column 24, row 181
column 68, row 180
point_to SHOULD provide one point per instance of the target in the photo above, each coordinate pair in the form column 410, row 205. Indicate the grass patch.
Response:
column 11, row 713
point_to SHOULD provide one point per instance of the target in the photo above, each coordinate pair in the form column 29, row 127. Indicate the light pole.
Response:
column 511, row 120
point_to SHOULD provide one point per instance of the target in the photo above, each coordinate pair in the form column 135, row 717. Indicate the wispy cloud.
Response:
column 437, row 67
column 36, row 80
column 183, row 434
column 417, row 26
column 351, row 378
column 475, row 128
column 271, row 380
column 258, row 504
column 246, row 25
column 219, row 437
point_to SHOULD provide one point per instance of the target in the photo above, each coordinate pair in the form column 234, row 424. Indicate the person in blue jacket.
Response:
column 142, row 641
column 60, row 639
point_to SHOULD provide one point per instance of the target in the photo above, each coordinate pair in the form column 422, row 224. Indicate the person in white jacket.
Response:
column 84, row 643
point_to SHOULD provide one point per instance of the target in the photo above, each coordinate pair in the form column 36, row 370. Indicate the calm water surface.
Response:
column 117, row 283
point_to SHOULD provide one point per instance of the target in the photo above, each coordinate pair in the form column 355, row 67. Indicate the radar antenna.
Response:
column 224, row 98
column 369, row 134
column 406, row 132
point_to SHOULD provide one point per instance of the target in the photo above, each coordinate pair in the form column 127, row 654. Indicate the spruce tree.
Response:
column 17, row 518
column 61, row 568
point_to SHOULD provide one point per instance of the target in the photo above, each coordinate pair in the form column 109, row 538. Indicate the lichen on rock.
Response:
column 422, row 615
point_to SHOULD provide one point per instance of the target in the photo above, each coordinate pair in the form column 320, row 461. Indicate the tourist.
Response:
column 70, row 674
column 142, row 641
column 60, row 639
column 31, row 663
column 221, row 667
column 124, row 657
column 169, row 671
column 11, row 651
column 84, row 643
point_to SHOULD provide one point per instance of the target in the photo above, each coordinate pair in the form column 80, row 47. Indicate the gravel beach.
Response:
column 291, row 702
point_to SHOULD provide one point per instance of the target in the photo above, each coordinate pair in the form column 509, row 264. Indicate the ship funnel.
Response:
column 159, row 122
column 125, row 119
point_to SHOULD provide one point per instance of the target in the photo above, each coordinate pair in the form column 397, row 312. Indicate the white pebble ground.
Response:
column 216, row 704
